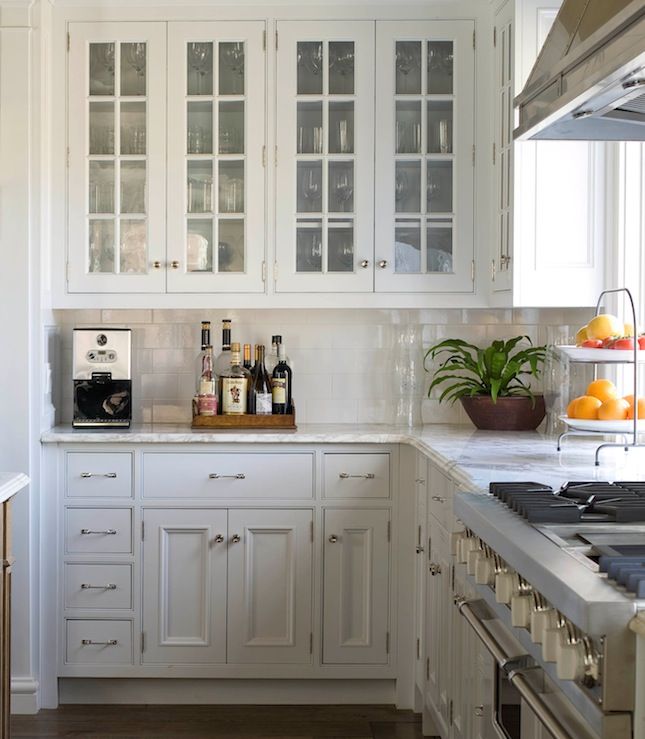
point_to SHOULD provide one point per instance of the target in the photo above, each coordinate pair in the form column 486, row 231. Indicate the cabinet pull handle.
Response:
column 87, row 586
column 236, row 538
column 434, row 569
column 219, row 538
column 366, row 476
column 333, row 539
column 420, row 481
column 111, row 475
column 438, row 498
column 108, row 532
column 217, row 476
column 91, row 642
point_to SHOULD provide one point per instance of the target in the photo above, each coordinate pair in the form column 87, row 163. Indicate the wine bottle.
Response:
column 223, row 361
column 205, row 341
column 234, row 385
column 247, row 357
column 261, row 385
column 271, row 359
column 281, row 385
column 206, row 393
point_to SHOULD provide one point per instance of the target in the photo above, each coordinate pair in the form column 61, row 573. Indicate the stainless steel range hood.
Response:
column 588, row 82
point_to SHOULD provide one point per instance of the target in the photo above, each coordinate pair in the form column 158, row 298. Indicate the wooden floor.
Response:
column 220, row 722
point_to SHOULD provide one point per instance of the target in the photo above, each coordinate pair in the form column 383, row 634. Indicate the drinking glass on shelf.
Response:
column 344, row 189
column 311, row 57
column 199, row 59
column 311, row 185
column 401, row 186
column 134, row 56
column 196, row 140
column 343, row 139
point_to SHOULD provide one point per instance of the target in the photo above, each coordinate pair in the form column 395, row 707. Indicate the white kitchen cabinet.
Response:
column 184, row 585
column 130, row 174
column 421, row 566
column 270, row 586
column 425, row 128
column 550, row 195
column 325, row 156
column 356, row 586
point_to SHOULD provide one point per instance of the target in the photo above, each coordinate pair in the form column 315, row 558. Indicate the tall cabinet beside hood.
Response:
column 549, row 229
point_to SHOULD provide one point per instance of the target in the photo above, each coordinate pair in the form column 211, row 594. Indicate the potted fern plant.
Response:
column 492, row 383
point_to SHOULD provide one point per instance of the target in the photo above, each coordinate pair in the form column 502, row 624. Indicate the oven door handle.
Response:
column 542, row 712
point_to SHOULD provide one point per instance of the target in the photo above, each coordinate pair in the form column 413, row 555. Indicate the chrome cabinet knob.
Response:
column 479, row 711
column 156, row 264
column 382, row 263
column 174, row 264
column 236, row 538
column 420, row 549
column 365, row 263
column 333, row 539
column 219, row 538
column 434, row 569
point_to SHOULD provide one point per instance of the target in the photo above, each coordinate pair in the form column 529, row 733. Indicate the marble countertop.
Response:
column 11, row 483
column 473, row 458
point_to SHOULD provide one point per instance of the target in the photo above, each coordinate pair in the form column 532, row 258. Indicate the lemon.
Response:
column 581, row 336
column 603, row 326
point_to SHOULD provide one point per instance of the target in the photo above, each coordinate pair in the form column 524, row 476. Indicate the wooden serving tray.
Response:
column 247, row 421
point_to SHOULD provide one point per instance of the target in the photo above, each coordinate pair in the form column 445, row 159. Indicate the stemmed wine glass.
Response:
column 342, row 63
column 135, row 57
column 406, row 61
column 310, row 55
column 401, row 187
column 343, row 189
column 199, row 60
column 311, row 186
column 102, row 69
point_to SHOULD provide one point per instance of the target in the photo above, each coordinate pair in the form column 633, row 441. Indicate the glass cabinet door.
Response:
column 116, row 153
column 324, row 175
column 216, row 135
column 424, row 156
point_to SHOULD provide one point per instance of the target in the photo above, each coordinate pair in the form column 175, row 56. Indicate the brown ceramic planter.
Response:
column 515, row 413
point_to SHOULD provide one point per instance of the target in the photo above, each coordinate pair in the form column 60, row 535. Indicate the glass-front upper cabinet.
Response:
column 325, row 150
column 116, row 157
column 425, row 124
column 216, row 139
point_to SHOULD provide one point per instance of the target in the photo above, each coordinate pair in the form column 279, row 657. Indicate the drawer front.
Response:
column 98, row 586
column 99, row 475
column 228, row 475
column 440, row 497
column 98, row 530
column 98, row 642
column 357, row 475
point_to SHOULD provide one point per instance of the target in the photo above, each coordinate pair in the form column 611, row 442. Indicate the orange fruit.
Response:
column 602, row 389
column 581, row 336
column 586, row 407
column 641, row 409
column 629, row 398
column 614, row 409
column 571, row 408
column 603, row 326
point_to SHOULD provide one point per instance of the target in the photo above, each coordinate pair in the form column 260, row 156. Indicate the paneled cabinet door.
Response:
column 116, row 157
column 269, row 591
column 325, row 156
column 356, row 587
column 184, row 585
column 216, row 135
column 421, row 532
column 425, row 156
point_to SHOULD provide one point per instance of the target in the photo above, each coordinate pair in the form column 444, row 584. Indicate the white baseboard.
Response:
column 217, row 692
column 24, row 695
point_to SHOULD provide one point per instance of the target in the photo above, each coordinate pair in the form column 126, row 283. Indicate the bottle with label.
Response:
column 246, row 361
column 261, row 386
column 281, row 385
column 272, row 358
column 207, row 392
column 223, row 361
column 205, row 341
column 234, row 385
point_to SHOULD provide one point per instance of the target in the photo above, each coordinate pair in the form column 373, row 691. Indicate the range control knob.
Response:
column 551, row 642
column 521, row 610
column 506, row 585
column 474, row 555
column 541, row 620
column 484, row 571
column 464, row 545
column 570, row 664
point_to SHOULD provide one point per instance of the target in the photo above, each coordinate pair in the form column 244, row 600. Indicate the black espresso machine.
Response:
column 101, row 368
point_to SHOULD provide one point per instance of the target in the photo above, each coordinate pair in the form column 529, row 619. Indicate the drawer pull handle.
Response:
column 236, row 538
column 333, row 539
column 108, row 532
column 87, row 586
column 111, row 475
column 438, row 498
column 217, row 476
column 366, row 476
column 419, row 481
column 92, row 643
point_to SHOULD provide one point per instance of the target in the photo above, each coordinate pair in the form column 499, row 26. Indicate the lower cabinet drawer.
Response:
column 98, row 530
column 98, row 475
column 99, row 642
column 228, row 475
column 365, row 475
column 98, row 585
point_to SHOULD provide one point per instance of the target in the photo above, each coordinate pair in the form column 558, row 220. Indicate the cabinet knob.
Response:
column 219, row 538
column 365, row 263
column 383, row 263
column 174, row 264
column 479, row 711
column 420, row 549
column 156, row 264
column 434, row 569
column 236, row 538
column 438, row 499
column 333, row 539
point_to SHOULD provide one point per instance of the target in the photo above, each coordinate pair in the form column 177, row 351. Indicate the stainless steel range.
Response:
column 562, row 573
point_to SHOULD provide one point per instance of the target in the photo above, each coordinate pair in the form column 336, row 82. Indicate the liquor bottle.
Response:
column 272, row 357
column 206, row 393
column 223, row 361
column 205, row 341
column 234, row 385
column 247, row 357
column 281, row 385
column 261, row 385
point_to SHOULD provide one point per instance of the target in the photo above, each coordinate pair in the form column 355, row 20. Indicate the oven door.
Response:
column 522, row 706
